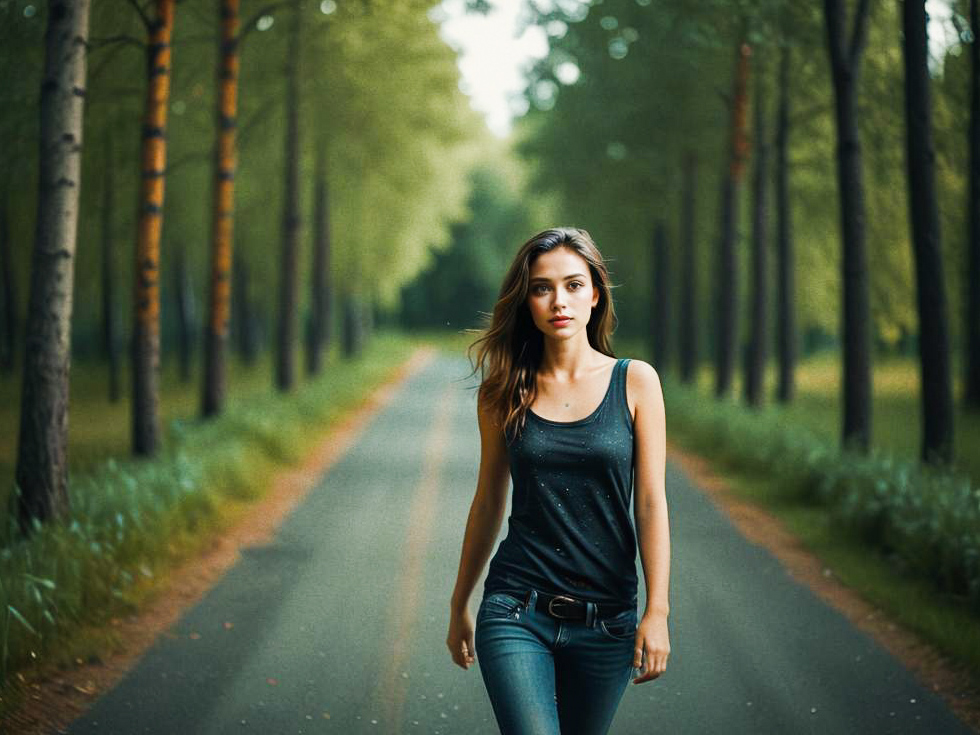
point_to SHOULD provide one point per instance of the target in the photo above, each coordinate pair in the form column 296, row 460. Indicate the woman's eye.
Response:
column 575, row 283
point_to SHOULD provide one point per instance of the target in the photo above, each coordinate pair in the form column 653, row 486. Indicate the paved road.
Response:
column 339, row 625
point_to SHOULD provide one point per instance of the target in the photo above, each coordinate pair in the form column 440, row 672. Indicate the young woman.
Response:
column 556, row 633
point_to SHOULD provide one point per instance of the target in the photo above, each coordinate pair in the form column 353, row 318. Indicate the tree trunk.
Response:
column 759, row 290
column 288, row 293
column 727, row 299
column 352, row 326
column 937, row 391
column 661, row 300
column 110, row 321
column 42, row 452
column 184, row 301
column 222, row 215
column 785, row 284
column 244, row 321
column 856, row 313
column 689, row 318
column 146, row 330
column 318, row 280
column 971, row 396
column 8, row 350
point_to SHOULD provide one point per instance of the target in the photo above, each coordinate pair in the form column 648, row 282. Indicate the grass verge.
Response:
column 132, row 521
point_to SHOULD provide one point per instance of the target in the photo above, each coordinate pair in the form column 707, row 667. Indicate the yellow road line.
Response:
column 407, row 585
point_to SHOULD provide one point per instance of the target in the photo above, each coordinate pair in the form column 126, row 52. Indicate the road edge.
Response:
column 54, row 698
column 935, row 671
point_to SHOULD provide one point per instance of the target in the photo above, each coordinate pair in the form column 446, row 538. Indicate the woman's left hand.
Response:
column 653, row 645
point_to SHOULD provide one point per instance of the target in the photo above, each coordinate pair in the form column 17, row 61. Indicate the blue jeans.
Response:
column 547, row 676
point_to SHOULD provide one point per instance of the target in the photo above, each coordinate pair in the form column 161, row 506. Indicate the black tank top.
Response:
column 570, row 530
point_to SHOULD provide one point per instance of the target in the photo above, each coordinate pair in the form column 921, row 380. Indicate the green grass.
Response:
column 896, row 423
column 133, row 520
column 943, row 620
column 98, row 429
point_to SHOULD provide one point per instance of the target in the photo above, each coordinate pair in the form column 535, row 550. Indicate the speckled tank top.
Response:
column 570, row 530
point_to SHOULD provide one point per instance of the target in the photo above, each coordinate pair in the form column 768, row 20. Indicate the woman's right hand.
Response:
column 460, row 638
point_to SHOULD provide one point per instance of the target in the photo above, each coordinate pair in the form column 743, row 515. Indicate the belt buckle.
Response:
column 561, row 598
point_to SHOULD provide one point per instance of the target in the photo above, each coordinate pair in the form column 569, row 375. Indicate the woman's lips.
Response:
column 560, row 322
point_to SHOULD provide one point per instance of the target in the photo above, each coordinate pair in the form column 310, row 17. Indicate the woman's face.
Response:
column 561, row 285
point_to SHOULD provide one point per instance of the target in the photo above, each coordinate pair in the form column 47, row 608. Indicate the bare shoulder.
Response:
column 643, row 386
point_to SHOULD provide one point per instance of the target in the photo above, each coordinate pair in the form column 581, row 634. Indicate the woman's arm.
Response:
column 486, row 511
column 650, row 514
column 482, row 526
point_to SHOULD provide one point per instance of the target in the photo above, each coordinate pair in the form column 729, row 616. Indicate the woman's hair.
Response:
column 511, row 345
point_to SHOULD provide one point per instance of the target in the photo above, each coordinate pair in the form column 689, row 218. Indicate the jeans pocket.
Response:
column 621, row 627
column 500, row 605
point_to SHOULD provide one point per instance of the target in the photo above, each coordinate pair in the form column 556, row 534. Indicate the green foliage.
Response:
column 655, row 82
column 927, row 521
column 463, row 281
column 379, row 93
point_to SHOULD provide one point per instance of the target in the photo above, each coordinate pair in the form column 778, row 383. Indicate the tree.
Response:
column 937, row 391
column 42, row 452
column 288, row 274
column 222, row 214
column 319, row 279
column 972, row 327
column 146, row 328
column 726, row 304
column 785, row 282
column 759, row 290
column 110, row 322
column 7, row 282
column 845, row 53
column 688, row 316
column 661, row 279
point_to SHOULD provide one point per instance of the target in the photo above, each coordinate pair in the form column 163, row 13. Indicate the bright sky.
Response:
column 493, row 57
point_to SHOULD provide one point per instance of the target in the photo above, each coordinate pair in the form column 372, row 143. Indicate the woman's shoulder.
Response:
column 640, row 373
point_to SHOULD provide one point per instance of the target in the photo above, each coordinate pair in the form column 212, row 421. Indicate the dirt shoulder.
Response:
column 956, row 685
column 54, row 698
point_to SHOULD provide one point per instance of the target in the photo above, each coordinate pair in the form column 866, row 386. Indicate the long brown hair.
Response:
column 510, row 347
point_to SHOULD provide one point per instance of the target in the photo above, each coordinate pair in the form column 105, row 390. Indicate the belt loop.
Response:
column 590, row 614
column 532, row 597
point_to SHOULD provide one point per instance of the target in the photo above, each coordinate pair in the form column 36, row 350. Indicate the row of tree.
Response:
column 358, row 98
column 662, row 90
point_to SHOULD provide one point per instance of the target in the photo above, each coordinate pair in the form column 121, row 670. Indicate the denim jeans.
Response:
column 546, row 676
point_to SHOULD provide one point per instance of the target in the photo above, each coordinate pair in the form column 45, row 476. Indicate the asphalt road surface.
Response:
column 339, row 625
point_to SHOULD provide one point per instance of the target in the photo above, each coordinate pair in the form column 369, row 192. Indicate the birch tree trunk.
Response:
column 42, row 451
